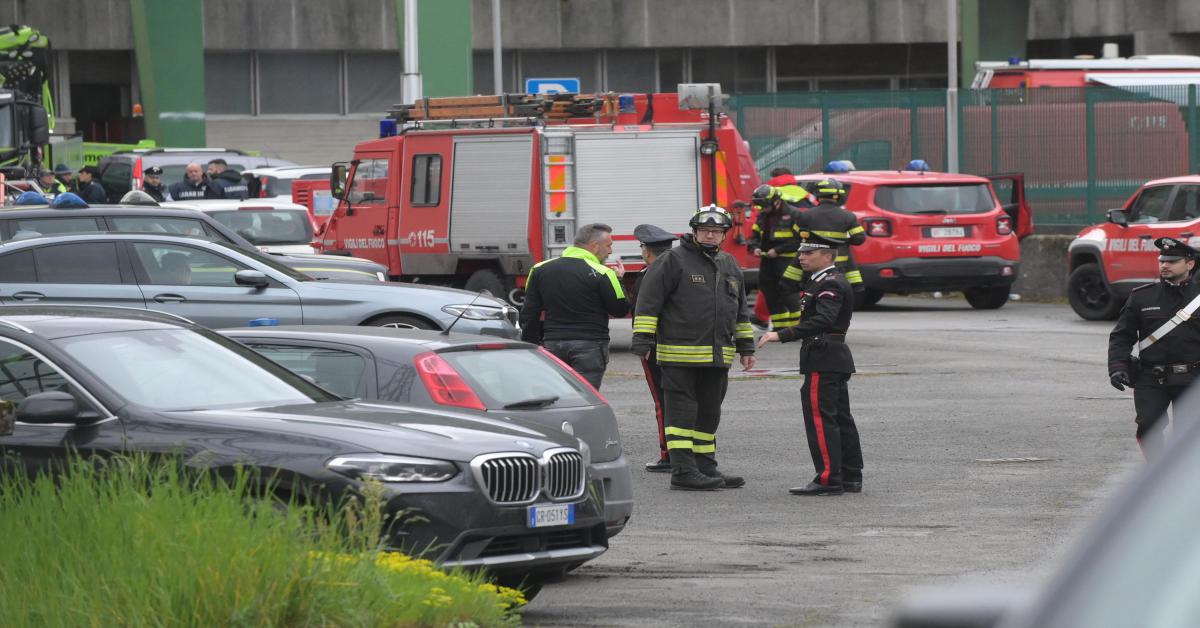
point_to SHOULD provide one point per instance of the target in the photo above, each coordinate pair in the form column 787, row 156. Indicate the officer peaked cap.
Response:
column 653, row 234
column 1171, row 250
column 810, row 241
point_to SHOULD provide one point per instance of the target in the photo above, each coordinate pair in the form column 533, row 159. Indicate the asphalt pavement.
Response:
column 990, row 439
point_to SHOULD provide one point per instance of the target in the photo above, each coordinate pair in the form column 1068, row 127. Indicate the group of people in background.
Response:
column 215, row 180
column 692, row 322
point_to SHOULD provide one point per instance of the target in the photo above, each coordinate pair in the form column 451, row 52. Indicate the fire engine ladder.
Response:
column 558, row 189
column 508, row 108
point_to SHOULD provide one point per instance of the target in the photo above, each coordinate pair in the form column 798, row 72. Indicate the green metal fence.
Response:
column 1082, row 150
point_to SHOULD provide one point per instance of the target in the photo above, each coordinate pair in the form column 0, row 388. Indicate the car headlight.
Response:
column 379, row 274
column 387, row 468
column 475, row 312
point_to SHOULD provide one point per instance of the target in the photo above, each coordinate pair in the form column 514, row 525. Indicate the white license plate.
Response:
column 548, row 515
column 947, row 232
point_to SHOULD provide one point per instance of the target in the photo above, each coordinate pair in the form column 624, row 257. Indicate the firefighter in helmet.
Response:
column 691, row 310
column 774, row 241
column 831, row 221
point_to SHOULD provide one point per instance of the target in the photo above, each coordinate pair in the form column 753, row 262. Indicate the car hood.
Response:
column 389, row 428
column 341, row 259
column 394, row 289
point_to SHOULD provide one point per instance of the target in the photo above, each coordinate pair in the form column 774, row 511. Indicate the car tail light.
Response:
column 573, row 372
column 1004, row 225
column 262, row 187
column 887, row 272
column 137, row 173
column 444, row 384
column 878, row 227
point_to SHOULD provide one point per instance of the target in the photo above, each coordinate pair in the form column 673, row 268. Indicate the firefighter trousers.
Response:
column 832, row 435
column 1150, row 401
column 654, row 382
column 692, row 398
column 784, row 306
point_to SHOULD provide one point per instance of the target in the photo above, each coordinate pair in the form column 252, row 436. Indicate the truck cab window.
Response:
column 370, row 183
column 426, row 180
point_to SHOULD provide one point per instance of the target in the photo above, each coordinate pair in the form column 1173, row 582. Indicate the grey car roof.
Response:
column 58, row 321
column 428, row 339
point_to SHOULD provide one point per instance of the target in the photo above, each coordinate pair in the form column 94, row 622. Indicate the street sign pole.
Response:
column 497, row 48
column 952, row 86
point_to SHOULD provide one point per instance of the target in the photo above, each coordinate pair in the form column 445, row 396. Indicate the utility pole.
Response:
column 952, row 86
column 410, row 83
column 497, row 59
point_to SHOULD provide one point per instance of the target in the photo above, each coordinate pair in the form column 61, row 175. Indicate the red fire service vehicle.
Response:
column 474, row 191
column 1107, row 261
column 933, row 231
column 1081, row 72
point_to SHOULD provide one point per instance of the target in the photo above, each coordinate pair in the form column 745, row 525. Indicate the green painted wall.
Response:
column 445, row 46
column 168, row 39
column 992, row 30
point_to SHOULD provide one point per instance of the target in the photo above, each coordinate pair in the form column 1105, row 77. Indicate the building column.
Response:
column 444, row 47
column 992, row 30
column 168, row 39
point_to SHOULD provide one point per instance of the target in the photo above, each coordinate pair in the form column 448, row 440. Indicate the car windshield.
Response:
column 266, row 260
column 268, row 225
column 503, row 377
column 181, row 369
column 974, row 198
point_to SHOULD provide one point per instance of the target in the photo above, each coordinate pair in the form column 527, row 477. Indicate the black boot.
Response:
column 658, row 465
column 707, row 463
column 686, row 477
column 816, row 488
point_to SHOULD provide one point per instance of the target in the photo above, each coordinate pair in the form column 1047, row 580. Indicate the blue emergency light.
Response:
column 917, row 165
column 625, row 104
column 264, row 322
column 387, row 127
column 838, row 166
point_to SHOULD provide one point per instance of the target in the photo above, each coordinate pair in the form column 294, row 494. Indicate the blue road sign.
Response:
column 552, row 86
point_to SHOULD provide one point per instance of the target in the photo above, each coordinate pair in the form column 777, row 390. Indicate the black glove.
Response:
column 1120, row 380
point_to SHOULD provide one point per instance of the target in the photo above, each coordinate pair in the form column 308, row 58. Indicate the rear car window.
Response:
column 117, row 179
column 505, row 376
column 83, row 262
column 336, row 370
column 935, row 199
column 268, row 226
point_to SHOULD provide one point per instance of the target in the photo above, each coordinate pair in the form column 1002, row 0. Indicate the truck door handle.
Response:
column 1145, row 236
column 28, row 296
column 169, row 298
column 378, row 230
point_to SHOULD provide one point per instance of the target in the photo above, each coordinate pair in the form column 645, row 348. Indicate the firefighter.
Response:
column 831, row 221
column 691, row 311
column 152, row 184
column 655, row 241
column 774, row 242
column 1157, row 319
column 577, row 293
column 783, row 180
column 826, row 306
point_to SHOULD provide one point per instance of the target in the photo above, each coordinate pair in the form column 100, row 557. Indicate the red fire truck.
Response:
column 1082, row 72
column 472, row 192
column 934, row 231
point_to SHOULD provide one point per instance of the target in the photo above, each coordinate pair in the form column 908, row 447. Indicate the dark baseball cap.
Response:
column 92, row 170
column 62, row 169
column 154, row 170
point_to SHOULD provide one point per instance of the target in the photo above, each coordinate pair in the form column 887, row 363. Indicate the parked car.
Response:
column 460, row 371
column 121, row 171
column 1107, row 261
column 474, row 491
column 1135, row 567
column 220, row 285
column 34, row 221
column 276, row 181
column 274, row 226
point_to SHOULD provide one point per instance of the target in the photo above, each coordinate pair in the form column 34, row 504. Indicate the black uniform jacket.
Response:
column 156, row 192
column 691, row 309
column 776, row 230
column 577, row 294
column 228, row 184
column 1146, row 310
column 93, row 193
column 832, row 222
column 826, row 305
column 187, row 191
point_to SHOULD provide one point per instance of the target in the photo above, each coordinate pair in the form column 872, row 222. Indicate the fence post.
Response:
column 826, row 136
column 995, row 136
column 1193, row 132
column 914, row 128
column 1090, row 133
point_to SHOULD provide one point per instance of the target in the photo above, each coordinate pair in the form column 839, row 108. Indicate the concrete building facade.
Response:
column 306, row 79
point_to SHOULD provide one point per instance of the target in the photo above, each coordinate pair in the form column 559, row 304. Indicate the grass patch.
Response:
column 129, row 542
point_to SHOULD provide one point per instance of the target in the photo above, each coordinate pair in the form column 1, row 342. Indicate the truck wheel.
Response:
column 486, row 279
column 401, row 321
column 1090, row 296
column 867, row 297
column 989, row 298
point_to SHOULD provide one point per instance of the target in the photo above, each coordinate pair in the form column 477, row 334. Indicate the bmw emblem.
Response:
column 525, row 444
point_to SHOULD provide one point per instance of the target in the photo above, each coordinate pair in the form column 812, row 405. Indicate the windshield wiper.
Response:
column 536, row 402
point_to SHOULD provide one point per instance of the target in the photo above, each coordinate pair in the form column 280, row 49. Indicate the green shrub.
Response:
column 128, row 542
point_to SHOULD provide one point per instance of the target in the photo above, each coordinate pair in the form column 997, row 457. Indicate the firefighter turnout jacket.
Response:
column 692, row 310
column 577, row 294
column 826, row 305
column 775, row 229
column 832, row 222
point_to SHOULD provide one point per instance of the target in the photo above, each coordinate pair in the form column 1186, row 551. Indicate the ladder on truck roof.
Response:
column 530, row 108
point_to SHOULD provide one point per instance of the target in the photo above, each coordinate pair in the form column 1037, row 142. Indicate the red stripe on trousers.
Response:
column 662, row 436
column 819, row 424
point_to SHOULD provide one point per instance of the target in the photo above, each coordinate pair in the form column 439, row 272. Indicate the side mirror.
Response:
column 54, row 406
column 1118, row 217
column 254, row 278
column 337, row 180
column 39, row 126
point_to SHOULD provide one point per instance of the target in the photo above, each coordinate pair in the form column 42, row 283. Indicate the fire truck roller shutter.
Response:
column 626, row 179
column 490, row 196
